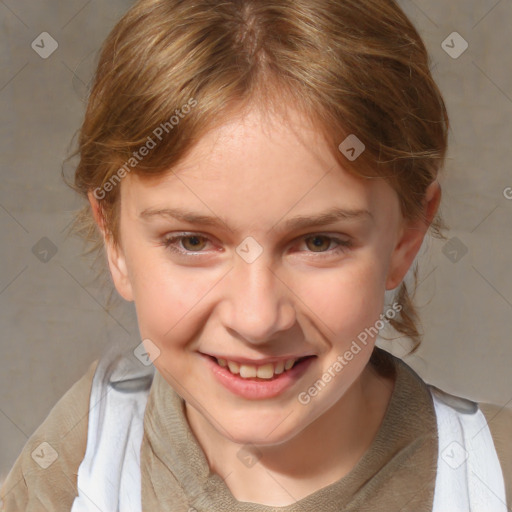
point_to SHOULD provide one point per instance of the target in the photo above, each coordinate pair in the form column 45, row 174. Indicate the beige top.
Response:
column 397, row 472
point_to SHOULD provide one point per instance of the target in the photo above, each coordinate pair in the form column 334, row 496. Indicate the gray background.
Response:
column 53, row 318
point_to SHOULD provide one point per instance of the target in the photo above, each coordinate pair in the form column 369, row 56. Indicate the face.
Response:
column 259, row 248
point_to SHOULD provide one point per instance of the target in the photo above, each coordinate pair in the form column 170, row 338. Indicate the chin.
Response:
column 253, row 430
column 260, row 438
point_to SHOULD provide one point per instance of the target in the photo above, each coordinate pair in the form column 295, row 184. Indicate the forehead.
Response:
column 259, row 168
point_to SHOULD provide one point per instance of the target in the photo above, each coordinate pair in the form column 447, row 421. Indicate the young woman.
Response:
column 262, row 176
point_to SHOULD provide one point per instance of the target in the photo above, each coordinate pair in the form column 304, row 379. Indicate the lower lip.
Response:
column 255, row 389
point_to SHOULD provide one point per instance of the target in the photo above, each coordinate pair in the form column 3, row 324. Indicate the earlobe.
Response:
column 411, row 238
column 115, row 255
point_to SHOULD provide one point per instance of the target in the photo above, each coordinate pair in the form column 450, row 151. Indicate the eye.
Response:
column 185, row 243
column 319, row 243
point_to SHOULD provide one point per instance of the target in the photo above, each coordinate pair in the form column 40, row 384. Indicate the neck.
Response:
column 319, row 455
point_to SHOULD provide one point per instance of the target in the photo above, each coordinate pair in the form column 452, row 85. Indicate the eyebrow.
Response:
column 298, row 222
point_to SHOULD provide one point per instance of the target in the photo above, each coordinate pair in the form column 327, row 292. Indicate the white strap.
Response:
column 109, row 475
column 469, row 476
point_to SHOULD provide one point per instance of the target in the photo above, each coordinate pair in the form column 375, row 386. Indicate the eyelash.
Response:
column 341, row 247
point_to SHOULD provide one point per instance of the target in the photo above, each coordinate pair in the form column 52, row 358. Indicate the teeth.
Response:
column 233, row 367
column 289, row 364
column 279, row 368
column 247, row 371
column 266, row 371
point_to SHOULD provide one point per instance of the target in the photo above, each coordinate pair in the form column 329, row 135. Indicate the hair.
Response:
column 179, row 68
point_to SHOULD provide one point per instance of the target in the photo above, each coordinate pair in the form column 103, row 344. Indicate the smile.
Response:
column 258, row 381
column 266, row 371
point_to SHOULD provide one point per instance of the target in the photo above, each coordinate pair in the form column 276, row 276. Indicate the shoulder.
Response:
column 499, row 420
column 44, row 475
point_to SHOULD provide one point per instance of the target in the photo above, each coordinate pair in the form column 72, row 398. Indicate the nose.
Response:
column 259, row 305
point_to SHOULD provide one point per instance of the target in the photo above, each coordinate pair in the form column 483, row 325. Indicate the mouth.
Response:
column 259, row 372
column 258, row 380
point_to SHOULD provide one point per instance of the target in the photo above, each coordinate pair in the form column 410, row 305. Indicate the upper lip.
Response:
column 258, row 362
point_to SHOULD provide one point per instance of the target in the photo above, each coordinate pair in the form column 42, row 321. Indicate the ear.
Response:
column 411, row 237
column 115, row 254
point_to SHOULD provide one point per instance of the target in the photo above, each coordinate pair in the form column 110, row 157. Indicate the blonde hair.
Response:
column 352, row 67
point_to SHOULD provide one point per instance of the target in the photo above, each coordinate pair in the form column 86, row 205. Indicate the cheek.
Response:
column 345, row 300
column 164, row 294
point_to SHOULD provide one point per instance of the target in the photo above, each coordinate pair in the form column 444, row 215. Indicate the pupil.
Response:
column 318, row 241
column 192, row 242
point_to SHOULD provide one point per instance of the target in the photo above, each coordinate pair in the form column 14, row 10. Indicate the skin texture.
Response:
column 296, row 298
